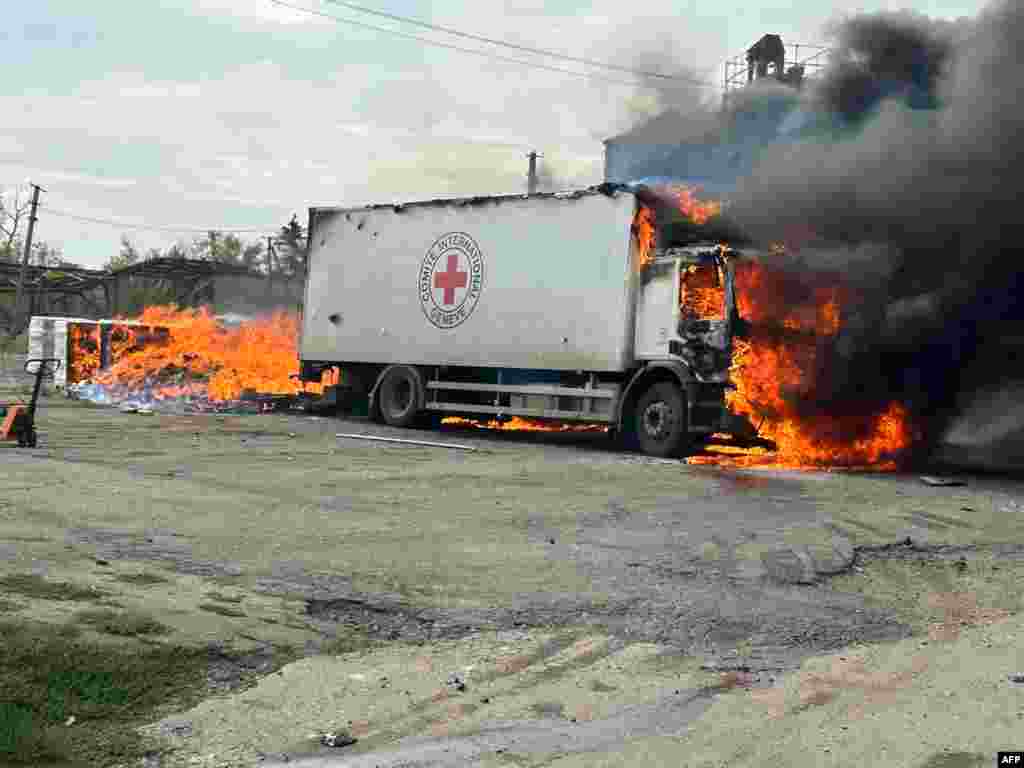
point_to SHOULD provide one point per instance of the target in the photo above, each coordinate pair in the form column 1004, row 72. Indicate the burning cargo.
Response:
column 86, row 347
column 180, row 359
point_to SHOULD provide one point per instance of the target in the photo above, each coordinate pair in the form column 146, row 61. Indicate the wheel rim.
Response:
column 401, row 397
column 658, row 421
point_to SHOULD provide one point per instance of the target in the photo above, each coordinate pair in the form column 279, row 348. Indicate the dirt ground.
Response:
column 589, row 601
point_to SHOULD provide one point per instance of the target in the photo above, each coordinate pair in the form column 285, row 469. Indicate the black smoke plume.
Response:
column 910, row 186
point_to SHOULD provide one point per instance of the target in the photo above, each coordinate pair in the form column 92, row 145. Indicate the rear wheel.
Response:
column 660, row 427
column 398, row 397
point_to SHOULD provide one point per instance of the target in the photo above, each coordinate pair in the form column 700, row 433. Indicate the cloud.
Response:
column 259, row 10
column 276, row 124
column 44, row 177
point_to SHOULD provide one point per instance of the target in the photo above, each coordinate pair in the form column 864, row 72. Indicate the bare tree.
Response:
column 14, row 209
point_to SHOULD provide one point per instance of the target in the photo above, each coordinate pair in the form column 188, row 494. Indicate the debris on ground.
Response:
column 403, row 441
column 456, row 682
column 340, row 737
column 942, row 482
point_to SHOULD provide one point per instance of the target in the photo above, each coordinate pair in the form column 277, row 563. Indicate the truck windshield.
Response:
column 701, row 292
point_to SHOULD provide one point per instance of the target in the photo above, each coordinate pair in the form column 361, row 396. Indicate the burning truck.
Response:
column 591, row 307
column 638, row 311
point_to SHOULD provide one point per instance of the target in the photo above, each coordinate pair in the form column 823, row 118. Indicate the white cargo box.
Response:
column 538, row 282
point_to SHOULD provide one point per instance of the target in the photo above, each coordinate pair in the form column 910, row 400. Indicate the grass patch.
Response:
column 142, row 579
column 31, row 585
column 222, row 598
column 121, row 623
column 7, row 606
column 45, row 678
column 906, row 586
column 347, row 642
column 222, row 610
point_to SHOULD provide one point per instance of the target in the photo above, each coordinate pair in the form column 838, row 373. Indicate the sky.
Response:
column 172, row 117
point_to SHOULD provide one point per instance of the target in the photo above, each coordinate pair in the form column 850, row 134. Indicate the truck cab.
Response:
column 687, row 309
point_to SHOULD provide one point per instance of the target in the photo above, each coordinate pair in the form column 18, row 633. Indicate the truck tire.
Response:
column 398, row 397
column 660, row 427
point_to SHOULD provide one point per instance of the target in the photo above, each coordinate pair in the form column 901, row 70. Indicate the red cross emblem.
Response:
column 450, row 279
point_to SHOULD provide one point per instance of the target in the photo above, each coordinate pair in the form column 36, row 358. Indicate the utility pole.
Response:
column 36, row 189
column 270, row 266
column 531, row 176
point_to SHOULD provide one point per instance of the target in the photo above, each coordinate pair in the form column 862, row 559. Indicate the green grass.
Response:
column 904, row 585
column 221, row 598
column 121, row 623
column 31, row 585
column 7, row 606
column 142, row 579
column 347, row 641
column 221, row 610
column 47, row 677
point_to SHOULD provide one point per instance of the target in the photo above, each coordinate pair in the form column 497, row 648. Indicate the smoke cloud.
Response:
column 908, row 185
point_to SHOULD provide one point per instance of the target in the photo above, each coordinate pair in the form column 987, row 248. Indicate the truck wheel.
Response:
column 660, row 422
column 398, row 397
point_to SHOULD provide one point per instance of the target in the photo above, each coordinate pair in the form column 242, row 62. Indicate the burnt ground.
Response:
column 269, row 532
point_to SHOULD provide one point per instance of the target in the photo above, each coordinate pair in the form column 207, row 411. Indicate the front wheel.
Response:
column 660, row 426
column 398, row 396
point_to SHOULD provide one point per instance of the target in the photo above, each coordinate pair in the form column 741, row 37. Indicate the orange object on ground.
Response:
column 7, row 428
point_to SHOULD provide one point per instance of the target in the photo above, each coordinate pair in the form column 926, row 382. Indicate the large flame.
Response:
column 775, row 372
column 644, row 232
column 701, row 293
column 196, row 356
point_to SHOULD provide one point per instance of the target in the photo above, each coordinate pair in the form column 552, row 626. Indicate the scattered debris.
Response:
column 942, row 482
column 70, row 721
column 338, row 738
column 454, row 446
column 456, row 682
column 176, row 727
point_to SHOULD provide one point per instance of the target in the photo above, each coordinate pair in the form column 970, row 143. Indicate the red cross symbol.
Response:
column 451, row 279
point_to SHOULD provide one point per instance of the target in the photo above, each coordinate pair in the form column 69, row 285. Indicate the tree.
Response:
column 293, row 248
column 252, row 257
column 14, row 210
column 129, row 255
column 216, row 246
column 46, row 255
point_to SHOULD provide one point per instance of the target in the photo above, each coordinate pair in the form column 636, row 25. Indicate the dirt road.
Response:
column 587, row 597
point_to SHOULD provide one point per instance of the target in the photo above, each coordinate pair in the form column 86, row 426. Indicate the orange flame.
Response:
column 643, row 231
column 84, row 343
column 774, row 371
column 701, row 295
column 697, row 211
column 517, row 424
column 199, row 356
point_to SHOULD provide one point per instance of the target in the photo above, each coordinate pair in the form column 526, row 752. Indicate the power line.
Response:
column 154, row 228
column 449, row 46
column 515, row 46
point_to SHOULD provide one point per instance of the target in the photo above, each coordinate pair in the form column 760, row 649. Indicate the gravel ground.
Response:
column 315, row 537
